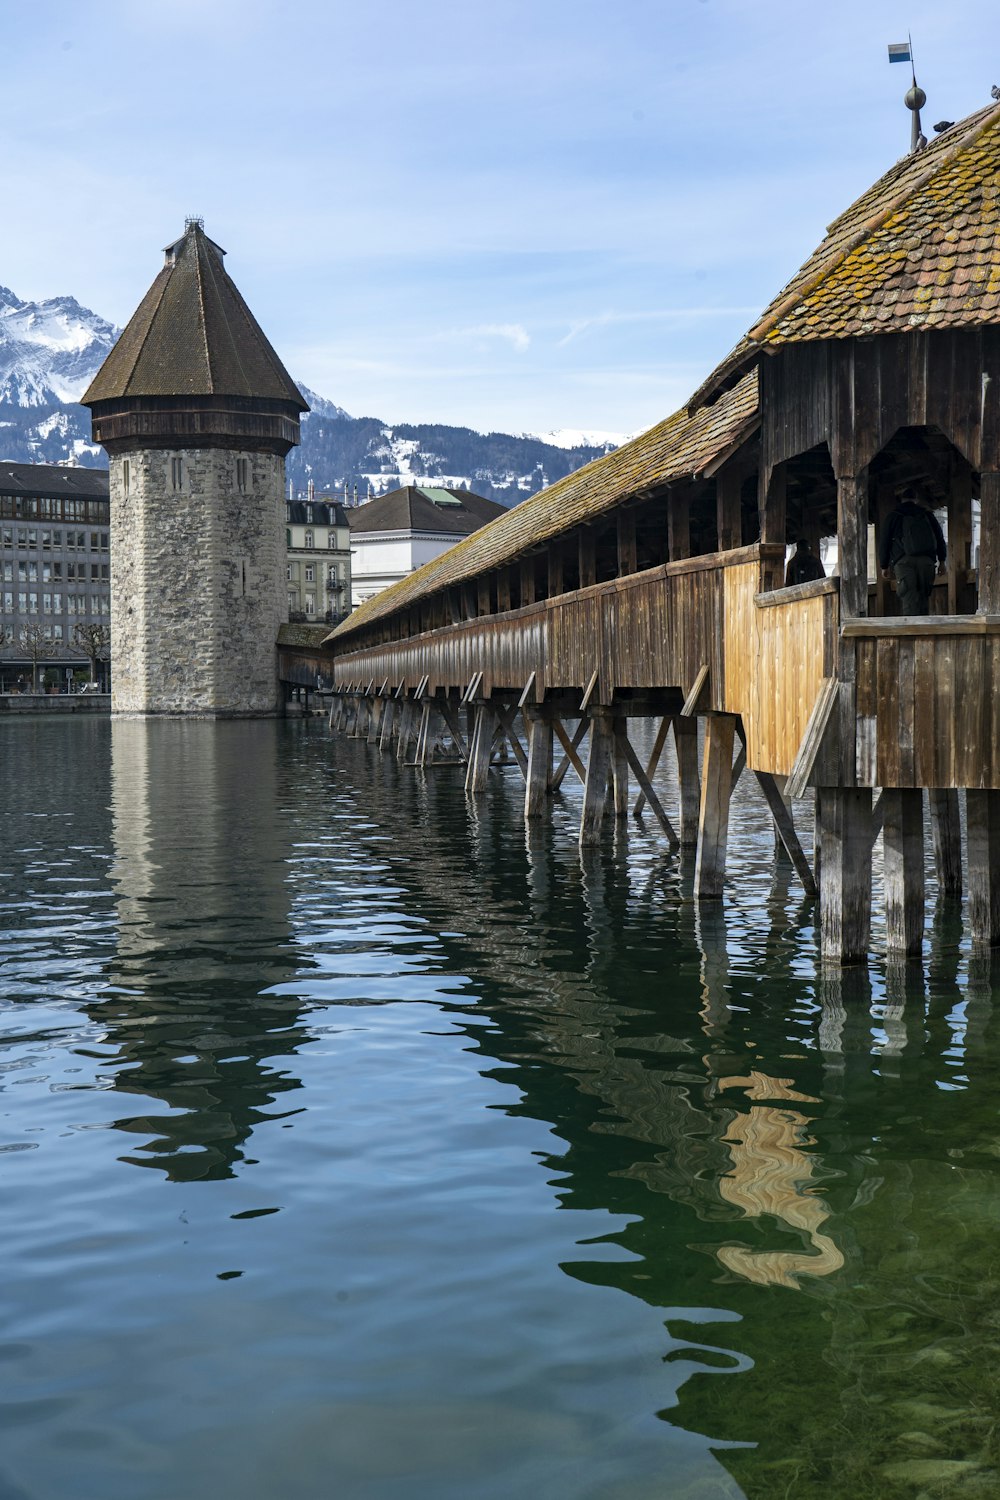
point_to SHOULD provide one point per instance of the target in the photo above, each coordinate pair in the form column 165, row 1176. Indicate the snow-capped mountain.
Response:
column 50, row 351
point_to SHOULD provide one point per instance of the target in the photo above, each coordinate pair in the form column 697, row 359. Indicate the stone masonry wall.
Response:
column 197, row 583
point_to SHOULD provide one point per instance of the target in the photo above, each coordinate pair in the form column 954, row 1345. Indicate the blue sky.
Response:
column 520, row 216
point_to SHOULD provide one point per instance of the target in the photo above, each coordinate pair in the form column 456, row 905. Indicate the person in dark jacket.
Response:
column 803, row 565
column 912, row 546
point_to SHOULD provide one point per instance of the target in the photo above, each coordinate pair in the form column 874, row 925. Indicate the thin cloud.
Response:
column 515, row 333
column 658, row 315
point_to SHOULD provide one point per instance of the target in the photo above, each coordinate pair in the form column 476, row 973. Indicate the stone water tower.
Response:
column 197, row 413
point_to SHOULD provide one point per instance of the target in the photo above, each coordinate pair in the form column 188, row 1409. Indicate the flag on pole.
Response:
column 899, row 52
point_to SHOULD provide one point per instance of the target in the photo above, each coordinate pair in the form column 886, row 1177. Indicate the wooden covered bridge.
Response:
column 649, row 585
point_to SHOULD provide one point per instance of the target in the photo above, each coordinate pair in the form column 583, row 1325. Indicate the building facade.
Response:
column 55, row 597
column 196, row 413
column 319, row 560
column 397, row 533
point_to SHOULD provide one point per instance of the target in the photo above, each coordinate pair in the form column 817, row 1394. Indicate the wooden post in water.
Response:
column 598, row 767
column 688, row 778
column 946, row 833
column 388, row 720
column 982, row 817
column 845, row 891
column 538, row 781
column 481, row 749
column 619, row 765
column 903, row 842
column 375, row 719
column 716, row 790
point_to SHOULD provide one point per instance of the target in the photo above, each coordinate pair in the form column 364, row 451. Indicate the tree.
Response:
column 95, row 643
column 33, row 643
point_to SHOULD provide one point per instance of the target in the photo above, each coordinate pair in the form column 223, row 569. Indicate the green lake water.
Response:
column 357, row 1143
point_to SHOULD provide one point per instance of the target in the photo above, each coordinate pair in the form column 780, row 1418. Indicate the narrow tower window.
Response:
column 241, row 474
column 176, row 472
column 126, row 476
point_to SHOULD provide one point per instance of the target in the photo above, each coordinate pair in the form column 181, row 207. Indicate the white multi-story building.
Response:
column 319, row 560
column 400, row 531
column 55, row 567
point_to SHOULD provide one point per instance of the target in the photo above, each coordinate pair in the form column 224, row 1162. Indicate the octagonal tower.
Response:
column 196, row 413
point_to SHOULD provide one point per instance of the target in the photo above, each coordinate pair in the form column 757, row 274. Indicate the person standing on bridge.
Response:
column 911, row 545
column 803, row 565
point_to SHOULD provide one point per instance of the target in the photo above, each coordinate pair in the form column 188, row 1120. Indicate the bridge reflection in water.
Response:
column 816, row 1156
column 802, row 1170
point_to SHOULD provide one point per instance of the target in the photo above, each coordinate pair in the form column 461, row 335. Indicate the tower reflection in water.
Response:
column 811, row 1160
column 200, row 882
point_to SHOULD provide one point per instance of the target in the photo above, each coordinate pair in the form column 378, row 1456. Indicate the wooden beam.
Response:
column 946, row 836
column 728, row 509
column 538, row 781
column 773, row 522
column 821, row 729
column 784, row 826
column 688, row 779
column 627, row 560
column 852, row 537
column 845, row 888
column 716, row 789
column 620, row 764
column 588, row 557
column 989, row 545
column 652, row 762
column 649, row 795
column 481, row 749
column 982, row 818
column 506, row 716
column 678, row 526
column 690, row 706
column 596, row 785
column 903, row 859
column 959, row 534
column 571, row 758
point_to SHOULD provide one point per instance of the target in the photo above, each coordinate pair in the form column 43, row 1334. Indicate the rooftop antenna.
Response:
column 194, row 222
column 914, row 98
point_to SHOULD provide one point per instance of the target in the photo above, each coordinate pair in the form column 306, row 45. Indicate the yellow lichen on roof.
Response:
column 919, row 249
column 679, row 447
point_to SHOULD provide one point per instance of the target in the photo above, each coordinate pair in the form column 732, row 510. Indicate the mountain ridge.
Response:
column 51, row 349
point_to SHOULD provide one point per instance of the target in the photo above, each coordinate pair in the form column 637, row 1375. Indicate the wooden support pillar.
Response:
column 716, row 790
column 598, row 768
column 408, row 715
column 555, row 558
column 885, row 502
column 959, row 535
column 845, row 892
column 627, row 559
column 481, row 749
column 689, row 781
column 852, row 537
column 729, row 509
column 375, row 719
column 946, row 834
column 989, row 545
column 588, row 557
column 538, row 782
column 678, row 527
column 903, row 843
column 773, row 523
column 619, row 765
column 389, row 708
column 982, row 819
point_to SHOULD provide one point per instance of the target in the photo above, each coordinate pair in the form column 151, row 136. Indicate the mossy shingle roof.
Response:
column 920, row 249
column 678, row 448
column 193, row 335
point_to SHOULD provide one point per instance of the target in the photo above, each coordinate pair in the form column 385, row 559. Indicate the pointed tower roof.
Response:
column 919, row 250
column 193, row 335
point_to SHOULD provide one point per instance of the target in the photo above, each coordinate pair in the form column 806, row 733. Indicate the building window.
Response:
column 310, row 604
column 331, row 539
column 241, row 474
column 46, row 604
column 332, row 574
column 57, row 604
column 176, row 472
column 310, row 573
column 310, row 539
column 57, row 634
column 32, row 604
column 292, row 604
column 8, row 603
column 126, row 475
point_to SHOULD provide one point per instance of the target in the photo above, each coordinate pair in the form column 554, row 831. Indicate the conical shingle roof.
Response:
column 919, row 250
column 193, row 335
